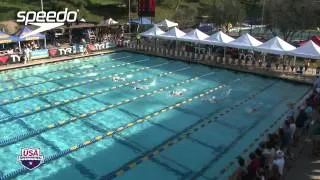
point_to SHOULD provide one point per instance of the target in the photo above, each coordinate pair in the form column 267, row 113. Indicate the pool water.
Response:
column 114, row 116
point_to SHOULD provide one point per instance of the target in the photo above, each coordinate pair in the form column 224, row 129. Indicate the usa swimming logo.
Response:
column 30, row 158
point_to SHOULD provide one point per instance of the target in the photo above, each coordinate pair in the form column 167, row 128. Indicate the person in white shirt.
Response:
column 27, row 54
column 279, row 161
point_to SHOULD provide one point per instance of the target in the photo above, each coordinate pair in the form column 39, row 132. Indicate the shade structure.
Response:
column 172, row 34
column 108, row 22
column 308, row 50
column 167, row 24
column 218, row 39
column 246, row 41
column 6, row 38
column 24, row 31
column 155, row 31
column 142, row 21
column 194, row 36
column 275, row 46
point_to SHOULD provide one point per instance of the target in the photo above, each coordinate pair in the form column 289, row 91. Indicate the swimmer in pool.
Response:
column 176, row 93
column 140, row 87
column 118, row 78
column 253, row 109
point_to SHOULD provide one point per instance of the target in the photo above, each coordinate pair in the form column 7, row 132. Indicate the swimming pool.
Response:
column 113, row 116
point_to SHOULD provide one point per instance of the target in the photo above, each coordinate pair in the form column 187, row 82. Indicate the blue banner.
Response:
column 39, row 54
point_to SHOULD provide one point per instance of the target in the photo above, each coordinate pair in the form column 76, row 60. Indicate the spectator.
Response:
column 292, row 127
column 241, row 173
column 269, row 154
column 285, row 136
column 253, row 167
column 261, row 175
column 279, row 162
column 138, row 39
column 300, row 123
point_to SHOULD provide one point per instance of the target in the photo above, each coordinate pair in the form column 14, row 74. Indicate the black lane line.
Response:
column 81, row 168
column 124, row 141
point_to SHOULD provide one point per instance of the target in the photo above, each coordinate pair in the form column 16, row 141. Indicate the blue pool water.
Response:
column 90, row 122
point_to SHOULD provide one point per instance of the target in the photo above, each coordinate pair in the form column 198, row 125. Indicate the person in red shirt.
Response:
column 253, row 167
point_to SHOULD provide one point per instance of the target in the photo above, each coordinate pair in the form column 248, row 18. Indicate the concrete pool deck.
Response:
column 306, row 166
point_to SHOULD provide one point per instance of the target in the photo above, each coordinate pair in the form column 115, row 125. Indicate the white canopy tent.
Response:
column 172, row 34
column 167, row 24
column 109, row 22
column 246, row 41
column 308, row 50
column 155, row 31
column 218, row 38
column 275, row 46
column 194, row 36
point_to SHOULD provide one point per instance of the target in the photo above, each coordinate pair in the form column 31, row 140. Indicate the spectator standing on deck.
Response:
column 84, row 43
column 27, row 55
column 241, row 172
column 279, row 162
column 138, row 39
column 300, row 123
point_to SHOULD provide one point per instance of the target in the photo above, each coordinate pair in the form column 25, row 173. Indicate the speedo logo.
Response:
column 46, row 20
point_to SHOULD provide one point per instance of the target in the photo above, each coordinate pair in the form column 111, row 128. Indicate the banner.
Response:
column 4, row 59
column 101, row 46
column 39, row 54
column 66, row 51
column 146, row 8
column 12, row 58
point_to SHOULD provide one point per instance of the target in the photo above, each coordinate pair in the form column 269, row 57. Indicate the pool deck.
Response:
column 306, row 79
column 306, row 165
column 53, row 60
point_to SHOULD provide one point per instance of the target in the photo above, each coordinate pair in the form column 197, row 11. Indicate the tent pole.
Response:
column 224, row 52
column 19, row 46
column 45, row 42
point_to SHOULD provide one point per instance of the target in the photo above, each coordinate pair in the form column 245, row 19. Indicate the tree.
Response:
column 223, row 11
column 289, row 17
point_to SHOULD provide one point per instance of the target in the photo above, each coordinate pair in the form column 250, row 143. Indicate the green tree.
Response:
column 288, row 17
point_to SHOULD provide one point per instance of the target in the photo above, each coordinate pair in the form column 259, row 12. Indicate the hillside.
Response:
column 95, row 10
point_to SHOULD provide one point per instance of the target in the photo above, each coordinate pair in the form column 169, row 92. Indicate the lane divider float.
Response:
column 255, row 142
column 184, row 134
column 11, row 87
column 85, row 115
column 68, row 86
column 110, row 133
column 64, row 67
column 28, row 111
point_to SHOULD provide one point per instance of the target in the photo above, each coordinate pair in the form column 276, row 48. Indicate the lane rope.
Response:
column 255, row 142
column 93, row 112
column 11, row 87
column 51, row 90
column 38, row 109
column 184, row 134
column 68, row 66
column 112, row 132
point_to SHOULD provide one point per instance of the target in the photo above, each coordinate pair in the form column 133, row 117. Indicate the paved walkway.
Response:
column 306, row 166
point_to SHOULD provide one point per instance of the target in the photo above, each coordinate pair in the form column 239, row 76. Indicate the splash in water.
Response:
column 153, row 83
column 91, row 74
column 129, row 76
column 86, row 66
